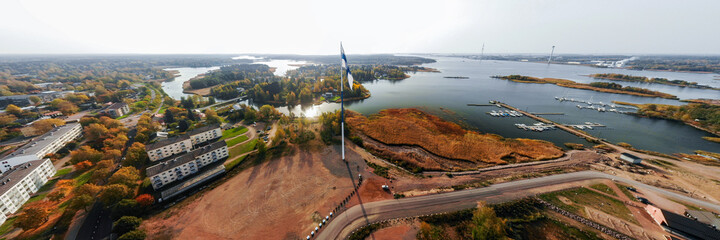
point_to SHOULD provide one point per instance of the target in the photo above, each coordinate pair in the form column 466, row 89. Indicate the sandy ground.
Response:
column 401, row 231
column 278, row 199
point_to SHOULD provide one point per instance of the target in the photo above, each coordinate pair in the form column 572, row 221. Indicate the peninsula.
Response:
column 594, row 86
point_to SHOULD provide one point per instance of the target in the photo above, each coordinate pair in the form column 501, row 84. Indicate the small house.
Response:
column 630, row 158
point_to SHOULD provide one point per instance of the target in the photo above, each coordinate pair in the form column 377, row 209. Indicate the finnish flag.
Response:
column 346, row 67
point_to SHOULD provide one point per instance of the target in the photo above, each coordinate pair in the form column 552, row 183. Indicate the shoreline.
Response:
column 639, row 106
column 572, row 84
column 661, row 83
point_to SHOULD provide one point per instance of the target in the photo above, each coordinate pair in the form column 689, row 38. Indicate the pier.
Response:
column 558, row 113
column 569, row 129
column 483, row 105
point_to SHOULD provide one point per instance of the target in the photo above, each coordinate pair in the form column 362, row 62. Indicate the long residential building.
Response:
column 178, row 168
column 47, row 143
column 165, row 148
column 20, row 182
column 204, row 134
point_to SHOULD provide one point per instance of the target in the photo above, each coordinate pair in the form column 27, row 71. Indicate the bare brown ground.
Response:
column 278, row 199
column 396, row 232
column 415, row 128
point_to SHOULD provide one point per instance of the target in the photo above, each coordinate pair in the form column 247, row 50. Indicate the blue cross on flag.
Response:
column 346, row 67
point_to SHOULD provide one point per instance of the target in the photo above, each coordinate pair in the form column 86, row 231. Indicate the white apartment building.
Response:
column 168, row 147
column 49, row 142
column 21, row 182
column 204, row 134
column 185, row 143
column 180, row 167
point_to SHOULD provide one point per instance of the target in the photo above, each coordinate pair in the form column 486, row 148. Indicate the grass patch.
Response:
column 63, row 172
column 7, row 225
column 230, row 133
column 624, row 189
column 124, row 116
column 234, row 163
column 235, row 141
column 379, row 170
column 581, row 197
column 661, row 163
column 712, row 139
column 83, row 178
column 36, row 198
column 48, row 185
column 239, row 150
column 364, row 232
column 604, row 188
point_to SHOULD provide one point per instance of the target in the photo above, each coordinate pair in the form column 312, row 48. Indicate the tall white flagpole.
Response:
column 342, row 104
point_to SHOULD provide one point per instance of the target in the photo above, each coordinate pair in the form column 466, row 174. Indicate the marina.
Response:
column 505, row 113
column 538, row 127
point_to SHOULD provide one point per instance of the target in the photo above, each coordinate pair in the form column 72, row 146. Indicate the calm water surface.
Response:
column 431, row 92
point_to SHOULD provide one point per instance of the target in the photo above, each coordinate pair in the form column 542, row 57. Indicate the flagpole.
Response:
column 342, row 108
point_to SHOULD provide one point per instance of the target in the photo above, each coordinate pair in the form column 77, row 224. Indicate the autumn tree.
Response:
column 136, row 155
column 112, row 154
column 35, row 100
column 81, row 201
column 87, row 189
column 64, row 106
column 486, row 224
column 95, row 132
column 128, row 176
column 32, row 217
column 117, row 142
column 113, row 193
column 85, row 153
column 56, row 196
column 268, row 112
column 212, row 117
column 145, row 200
column 45, row 125
column 105, row 164
column 82, row 166
column 14, row 110
column 6, row 119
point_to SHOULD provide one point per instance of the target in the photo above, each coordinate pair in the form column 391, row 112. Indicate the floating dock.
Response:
column 558, row 113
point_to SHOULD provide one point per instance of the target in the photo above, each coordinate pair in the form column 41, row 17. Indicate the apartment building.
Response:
column 178, row 168
column 36, row 149
column 204, row 134
column 117, row 109
column 20, row 182
column 168, row 147
column 176, row 145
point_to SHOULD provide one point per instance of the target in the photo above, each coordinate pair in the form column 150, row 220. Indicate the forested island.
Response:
column 306, row 84
column 700, row 115
column 665, row 81
column 594, row 86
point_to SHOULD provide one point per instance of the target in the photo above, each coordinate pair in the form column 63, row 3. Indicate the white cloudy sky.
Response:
column 365, row 26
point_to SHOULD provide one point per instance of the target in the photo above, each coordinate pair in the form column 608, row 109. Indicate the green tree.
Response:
column 128, row 176
column 126, row 207
column 35, row 100
column 126, row 224
column 113, row 193
column 133, row 235
column 136, row 155
column 82, row 201
column 14, row 110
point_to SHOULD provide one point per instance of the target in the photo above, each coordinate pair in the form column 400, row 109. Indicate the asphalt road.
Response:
column 97, row 224
column 341, row 226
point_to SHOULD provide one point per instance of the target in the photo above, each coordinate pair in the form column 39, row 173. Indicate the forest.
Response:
column 665, row 81
column 703, row 115
column 256, row 72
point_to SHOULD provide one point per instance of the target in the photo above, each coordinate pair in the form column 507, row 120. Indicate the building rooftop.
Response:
column 681, row 224
column 166, row 142
column 182, row 159
column 203, row 129
column 117, row 105
column 38, row 143
column 704, row 217
column 9, row 178
column 630, row 156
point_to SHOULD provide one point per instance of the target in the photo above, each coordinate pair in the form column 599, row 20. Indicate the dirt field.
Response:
column 278, row 199
column 429, row 142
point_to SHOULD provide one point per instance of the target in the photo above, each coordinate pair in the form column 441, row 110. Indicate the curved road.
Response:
column 360, row 215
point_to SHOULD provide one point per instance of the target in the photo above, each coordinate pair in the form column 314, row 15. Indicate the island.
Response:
column 703, row 116
column 594, row 86
column 431, row 143
column 664, row 81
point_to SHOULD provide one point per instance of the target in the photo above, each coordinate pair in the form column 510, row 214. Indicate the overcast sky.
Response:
column 364, row 26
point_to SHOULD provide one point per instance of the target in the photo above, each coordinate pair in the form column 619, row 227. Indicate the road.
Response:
column 360, row 215
column 219, row 102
